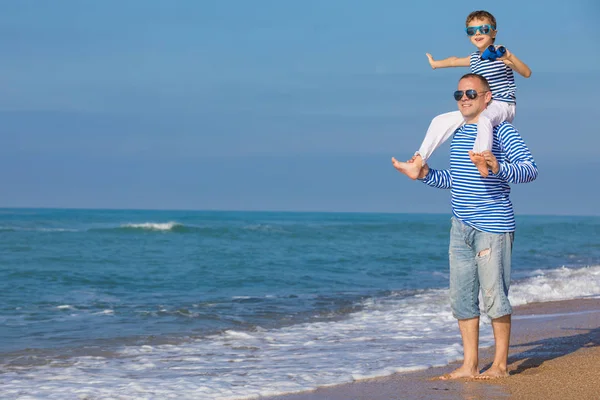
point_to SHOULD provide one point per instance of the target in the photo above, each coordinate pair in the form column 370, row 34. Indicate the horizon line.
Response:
column 290, row 211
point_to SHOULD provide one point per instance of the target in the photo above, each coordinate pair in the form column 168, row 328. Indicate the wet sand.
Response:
column 554, row 354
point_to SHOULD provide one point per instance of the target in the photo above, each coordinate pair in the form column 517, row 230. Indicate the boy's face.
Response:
column 480, row 40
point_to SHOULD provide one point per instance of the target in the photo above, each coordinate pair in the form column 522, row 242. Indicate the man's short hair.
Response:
column 482, row 79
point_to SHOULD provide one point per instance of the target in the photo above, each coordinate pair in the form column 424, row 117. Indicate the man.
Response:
column 483, row 226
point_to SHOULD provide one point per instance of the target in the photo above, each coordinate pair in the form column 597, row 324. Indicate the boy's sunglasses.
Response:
column 471, row 94
column 483, row 29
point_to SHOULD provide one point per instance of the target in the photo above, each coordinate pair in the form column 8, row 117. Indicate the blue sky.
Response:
column 276, row 105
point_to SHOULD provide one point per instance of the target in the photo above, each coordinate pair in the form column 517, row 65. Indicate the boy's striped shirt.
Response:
column 484, row 203
column 500, row 77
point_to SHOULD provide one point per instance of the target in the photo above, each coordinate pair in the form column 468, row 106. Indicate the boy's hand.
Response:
column 431, row 60
column 506, row 58
column 513, row 62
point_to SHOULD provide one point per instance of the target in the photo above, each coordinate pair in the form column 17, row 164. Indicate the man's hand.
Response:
column 424, row 168
column 491, row 161
column 424, row 171
column 432, row 62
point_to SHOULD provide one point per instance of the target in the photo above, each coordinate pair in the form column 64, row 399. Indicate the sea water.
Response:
column 129, row 304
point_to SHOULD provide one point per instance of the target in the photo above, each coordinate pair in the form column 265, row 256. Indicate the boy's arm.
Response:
column 437, row 178
column 518, row 165
column 515, row 64
column 448, row 62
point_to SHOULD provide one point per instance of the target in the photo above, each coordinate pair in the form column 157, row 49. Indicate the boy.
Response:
column 481, row 29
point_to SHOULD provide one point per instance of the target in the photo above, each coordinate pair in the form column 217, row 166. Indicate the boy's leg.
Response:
column 440, row 129
column 496, row 113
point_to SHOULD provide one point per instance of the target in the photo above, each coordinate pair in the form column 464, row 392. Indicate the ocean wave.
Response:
column 178, row 227
column 398, row 333
column 154, row 226
column 171, row 226
column 557, row 284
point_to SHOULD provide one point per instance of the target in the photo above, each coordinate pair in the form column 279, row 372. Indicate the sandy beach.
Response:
column 554, row 354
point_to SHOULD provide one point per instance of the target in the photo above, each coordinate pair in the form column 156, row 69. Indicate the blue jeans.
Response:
column 479, row 259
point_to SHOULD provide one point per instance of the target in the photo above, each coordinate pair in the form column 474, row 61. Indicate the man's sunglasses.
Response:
column 483, row 29
column 471, row 94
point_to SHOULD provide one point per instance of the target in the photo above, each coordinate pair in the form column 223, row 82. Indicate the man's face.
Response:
column 471, row 108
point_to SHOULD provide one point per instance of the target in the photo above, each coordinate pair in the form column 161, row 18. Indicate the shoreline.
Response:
column 554, row 354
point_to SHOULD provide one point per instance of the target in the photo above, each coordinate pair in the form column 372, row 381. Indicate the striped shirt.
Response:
column 500, row 77
column 484, row 203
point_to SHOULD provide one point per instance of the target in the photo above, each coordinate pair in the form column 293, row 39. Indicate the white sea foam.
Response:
column 559, row 284
column 395, row 334
column 104, row 312
column 153, row 226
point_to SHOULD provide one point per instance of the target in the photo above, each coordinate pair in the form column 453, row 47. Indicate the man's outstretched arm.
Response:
column 438, row 178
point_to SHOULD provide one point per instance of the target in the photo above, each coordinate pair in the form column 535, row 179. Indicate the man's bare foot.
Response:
column 410, row 168
column 462, row 372
column 479, row 160
column 493, row 372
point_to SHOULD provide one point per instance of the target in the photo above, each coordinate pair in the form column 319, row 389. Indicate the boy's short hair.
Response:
column 481, row 14
column 481, row 78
